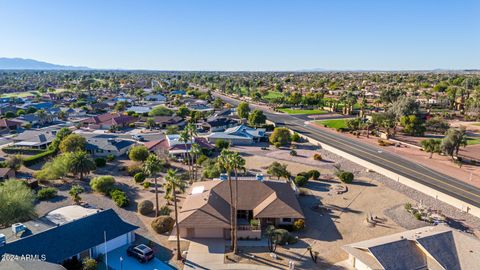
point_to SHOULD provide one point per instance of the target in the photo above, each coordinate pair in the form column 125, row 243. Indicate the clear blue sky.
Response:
column 244, row 34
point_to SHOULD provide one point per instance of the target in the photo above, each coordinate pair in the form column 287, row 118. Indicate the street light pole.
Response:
column 121, row 263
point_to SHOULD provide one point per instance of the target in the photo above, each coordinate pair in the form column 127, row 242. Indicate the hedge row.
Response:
column 38, row 157
column 24, row 151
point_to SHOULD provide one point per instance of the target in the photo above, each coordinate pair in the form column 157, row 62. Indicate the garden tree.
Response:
column 211, row 169
column 354, row 124
column 280, row 136
column 16, row 202
column 243, row 110
column 195, row 150
column 57, row 168
column 172, row 130
column 295, row 98
column 81, row 164
column 278, row 170
column 431, row 146
column 412, row 125
column 152, row 166
column 14, row 162
column 160, row 111
column 150, row 123
column 43, row 117
column 185, row 138
column 404, row 106
column 21, row 112
column 454, row 138
column 437, row 125
column 222, row 144
column 218, row 103
column 75, row 192
column 103, row 184
column 473, row 103
column 120, row 106
column 225, row 163
column 257, row 118
column 183, row 111
column 138, row 153
column 72, row 143
column 237, row 163
column 10, row 115
column 191, row 128
column 176, row 185
column 272, row 238
column 31, row 110
column 390, row 95
column 348, row 98
column 384, row 121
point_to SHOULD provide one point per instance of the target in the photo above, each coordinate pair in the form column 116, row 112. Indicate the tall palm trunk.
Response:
column 179, row 255
column 156, row 197
column 235, row 228
column 232, row 213
column 187, row 158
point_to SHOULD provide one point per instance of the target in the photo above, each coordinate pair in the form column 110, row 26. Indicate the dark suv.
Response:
column 141, row 252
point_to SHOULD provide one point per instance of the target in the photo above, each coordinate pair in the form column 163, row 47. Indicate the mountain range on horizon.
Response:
column 31, row 64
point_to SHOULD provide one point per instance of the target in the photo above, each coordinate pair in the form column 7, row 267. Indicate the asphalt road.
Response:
column 375, row 155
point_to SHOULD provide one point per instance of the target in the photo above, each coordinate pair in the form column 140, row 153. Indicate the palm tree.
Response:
column 192, row 133
column 42, row 117
column 237, row 163
column 185, row 138
column 195, row 151
column 151, row 167
column 81, row 164
column 176, row 184
column 224, row 162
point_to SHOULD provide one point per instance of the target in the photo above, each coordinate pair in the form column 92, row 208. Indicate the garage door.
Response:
column 208, row 233
column 117, row 242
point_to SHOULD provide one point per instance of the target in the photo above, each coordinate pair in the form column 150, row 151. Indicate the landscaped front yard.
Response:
column 299, row 111
column 333, row 123
column 473, row 140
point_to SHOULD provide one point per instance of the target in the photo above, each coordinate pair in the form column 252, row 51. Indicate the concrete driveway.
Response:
column 130, row 263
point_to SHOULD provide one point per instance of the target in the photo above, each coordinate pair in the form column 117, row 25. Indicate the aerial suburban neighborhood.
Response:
column 196, row 160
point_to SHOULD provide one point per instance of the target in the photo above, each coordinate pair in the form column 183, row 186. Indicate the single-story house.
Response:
column 140, row 109
column 34, row 138
column 205, row 212
column 108, row 120
column 239, row 135
column 200, row 107
column 432, row 247
column 6, row 124
column 216, row 124
column 7, row 173
column 87, row 236
column 104, row 145
column 165, row 121
column 172, row 145
column 156, row 97
column 178, row 92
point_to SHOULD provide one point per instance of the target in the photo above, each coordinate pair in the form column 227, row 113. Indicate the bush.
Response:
column 298, row 224
column 293, row 153
column 418, row 215
column 284, row 237
column 408, row 206
column 300, row 180
column 100, row 162
column 222, row 144
column 134, row 169
column 163, row 224
column 145, row 207
column 38, row 157
column 24, row 151
column 47, row 193
column 139, row 177
column 110, row 158
column 138, row 153
column 295, row 137
column 102, row 184
column 119, row 197
column 164, row 211
column 201, row 159
column 89, row 264
column 345, row 177
column 317, row 157
column 147, row 184
column 314, row 174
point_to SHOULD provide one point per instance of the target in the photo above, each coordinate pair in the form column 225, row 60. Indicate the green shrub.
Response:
column 38, row 157
column 146, row 184
column 23, row 151
column 134, row 169
column 139, row 177
column 300, row 180
column 314, row 174
column 293, row 153
column 222, row 144
column 145, row 207
column 317, row 157
column 119, row 197
column 345, row 177
column 103, row 184
column 110, row 158
column 201, row 159
column 283, row 237
column 163, row 224
column 100, row 162
column 408, row 206
column 47, row 193
column 295, row 137
column 89, row 264
column 418, row 215
column 298, row 224
column 164, row 211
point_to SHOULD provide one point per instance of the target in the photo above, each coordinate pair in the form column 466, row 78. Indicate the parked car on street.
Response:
column 141, row 252
column 138, row 138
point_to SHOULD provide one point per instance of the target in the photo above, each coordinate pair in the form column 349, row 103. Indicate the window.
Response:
column 287, row 220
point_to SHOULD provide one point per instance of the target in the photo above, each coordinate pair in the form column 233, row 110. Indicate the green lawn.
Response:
column 28, row 93
column 272, row 95
column 333, row 123
column 473, row 140
column 294, row 111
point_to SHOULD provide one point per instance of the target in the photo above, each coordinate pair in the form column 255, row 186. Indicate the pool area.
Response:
column 130, row 263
